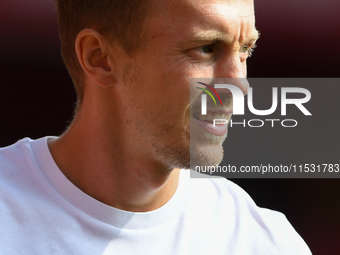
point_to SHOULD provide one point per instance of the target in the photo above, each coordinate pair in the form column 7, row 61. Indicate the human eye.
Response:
column 205, row 52
column 205, row 49
column 248, row 48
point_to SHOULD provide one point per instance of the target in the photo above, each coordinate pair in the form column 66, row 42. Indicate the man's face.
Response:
column 187, row 39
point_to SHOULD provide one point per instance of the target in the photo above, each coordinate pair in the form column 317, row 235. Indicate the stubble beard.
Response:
column 173, row 143
column 208, row 154
column 160, row 126
column 206, row 149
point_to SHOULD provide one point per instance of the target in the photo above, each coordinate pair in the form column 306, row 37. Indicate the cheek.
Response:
column 167, row 85
column 172, row 88
column 244, row 68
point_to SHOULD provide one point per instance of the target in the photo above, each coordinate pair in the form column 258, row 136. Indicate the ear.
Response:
column 92, row 51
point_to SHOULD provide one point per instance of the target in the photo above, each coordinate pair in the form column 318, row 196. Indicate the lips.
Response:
column 210, row 116
column 214, row 112
column 206, row 121
column 218, row 129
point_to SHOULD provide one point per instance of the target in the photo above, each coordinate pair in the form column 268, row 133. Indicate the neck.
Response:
column 108, row 168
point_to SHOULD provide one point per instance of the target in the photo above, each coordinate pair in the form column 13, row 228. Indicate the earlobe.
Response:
column 92, row 52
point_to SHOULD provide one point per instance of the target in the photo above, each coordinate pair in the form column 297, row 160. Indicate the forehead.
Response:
column 227, row 8
column 180, row 17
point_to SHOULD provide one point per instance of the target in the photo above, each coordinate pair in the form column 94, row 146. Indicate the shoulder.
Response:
column 15, row 158
column 230, row 209
column 19, row 170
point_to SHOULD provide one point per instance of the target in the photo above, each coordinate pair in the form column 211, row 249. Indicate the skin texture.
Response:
column 132, row 133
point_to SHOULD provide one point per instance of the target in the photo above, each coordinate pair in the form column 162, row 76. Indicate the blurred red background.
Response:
column 298, row 39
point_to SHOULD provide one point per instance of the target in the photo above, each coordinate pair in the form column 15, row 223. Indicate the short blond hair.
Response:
column 120, row 20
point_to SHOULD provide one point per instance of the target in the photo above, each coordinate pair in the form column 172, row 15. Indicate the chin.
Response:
column 208, row 155
column 205, row 148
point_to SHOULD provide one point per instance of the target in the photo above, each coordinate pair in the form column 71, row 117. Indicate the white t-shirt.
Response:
column 42, row 212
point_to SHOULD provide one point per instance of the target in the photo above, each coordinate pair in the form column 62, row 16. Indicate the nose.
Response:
column 230, row 69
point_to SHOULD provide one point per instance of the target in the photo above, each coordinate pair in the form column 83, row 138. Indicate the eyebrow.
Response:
column 213, row 36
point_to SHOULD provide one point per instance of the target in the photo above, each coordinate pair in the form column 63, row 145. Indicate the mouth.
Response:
column 215, row 123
